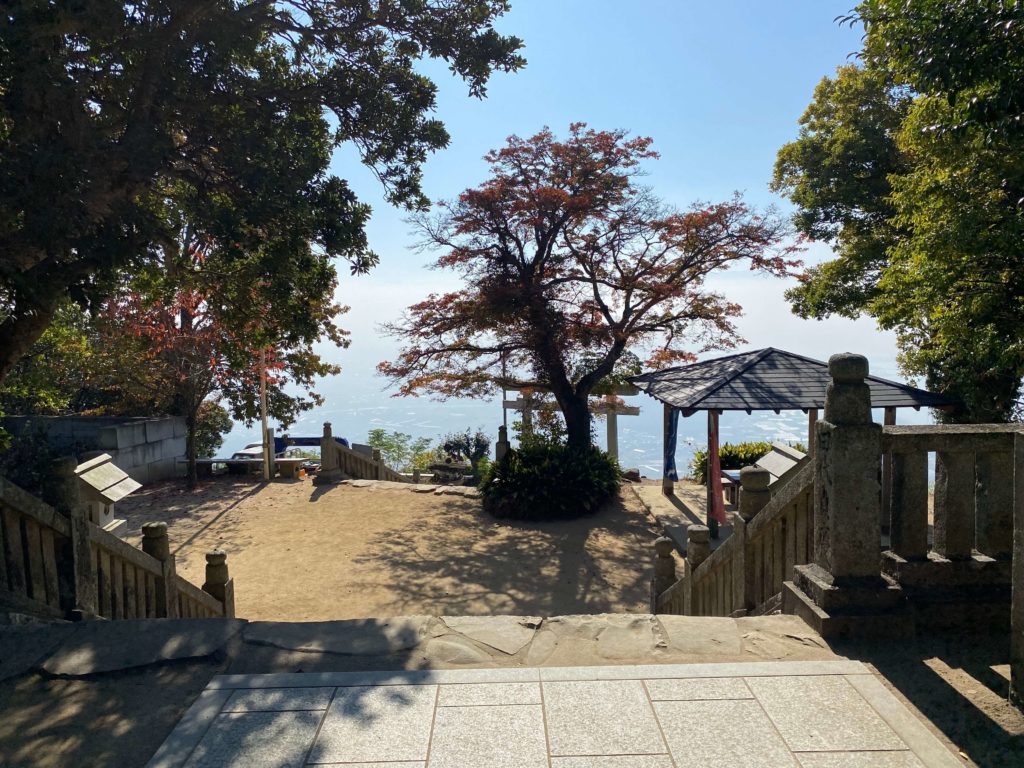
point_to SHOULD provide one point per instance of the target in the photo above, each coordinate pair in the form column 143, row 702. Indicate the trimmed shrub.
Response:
column 732, row 456
column 548, row 481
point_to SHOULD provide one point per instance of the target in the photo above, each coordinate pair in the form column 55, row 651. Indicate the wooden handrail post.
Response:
column 156, row 544
column 218, row 583
column 78, row 587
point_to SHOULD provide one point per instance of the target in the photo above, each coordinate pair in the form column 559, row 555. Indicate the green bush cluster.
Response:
column 732, row 456
column 544, row 480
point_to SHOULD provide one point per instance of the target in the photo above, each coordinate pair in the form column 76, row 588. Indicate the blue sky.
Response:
column 719, row 86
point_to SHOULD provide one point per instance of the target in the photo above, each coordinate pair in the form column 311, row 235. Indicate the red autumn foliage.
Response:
column 568, row 263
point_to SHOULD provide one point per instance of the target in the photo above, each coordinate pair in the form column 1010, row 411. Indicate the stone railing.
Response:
column 337, row 461
column 58, row 564
column 770, row 537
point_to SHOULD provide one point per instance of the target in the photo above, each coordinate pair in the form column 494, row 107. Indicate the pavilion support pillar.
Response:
column 713, row 479
column 842, row 592
column 812, row 424
column 667, row 485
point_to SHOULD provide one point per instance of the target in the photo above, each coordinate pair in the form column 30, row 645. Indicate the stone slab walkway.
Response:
column 805, row 714
column 676, row 513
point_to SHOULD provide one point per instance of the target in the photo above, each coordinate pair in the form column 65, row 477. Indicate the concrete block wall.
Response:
column 147, row 449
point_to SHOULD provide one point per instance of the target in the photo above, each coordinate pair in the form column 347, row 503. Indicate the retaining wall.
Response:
column 147, row 449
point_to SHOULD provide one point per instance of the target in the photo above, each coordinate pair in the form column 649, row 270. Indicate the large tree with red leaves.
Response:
column 568, row 263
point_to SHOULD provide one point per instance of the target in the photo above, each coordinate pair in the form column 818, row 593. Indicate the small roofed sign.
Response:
column 102, row 483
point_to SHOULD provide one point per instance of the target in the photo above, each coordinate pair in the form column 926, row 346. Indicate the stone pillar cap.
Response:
column 848, row 367
column 698, row 533
column 216, row 557
column 755, row 478
column 153, row 530
column 663, row 545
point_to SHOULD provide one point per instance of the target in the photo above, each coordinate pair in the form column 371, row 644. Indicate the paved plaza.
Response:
column 805, row 714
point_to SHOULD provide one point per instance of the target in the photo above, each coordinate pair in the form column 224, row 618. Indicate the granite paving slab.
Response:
column 822, row 713
column 279, row 700
column 376, row 723
column 859, row 760
column 481, row 694
column 489, row 737
column 256, row 740
column 600, row 717
column 698, row 689
column 728, row 734
column 818, row 714
column 613, row 761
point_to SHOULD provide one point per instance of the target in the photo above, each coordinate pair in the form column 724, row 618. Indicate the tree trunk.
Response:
column 576, row 411
column 190, row 448
column 18, row 332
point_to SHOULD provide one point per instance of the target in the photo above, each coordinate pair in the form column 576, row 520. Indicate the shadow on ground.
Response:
column 958, row 681
column 468, row 563
column 120, row 717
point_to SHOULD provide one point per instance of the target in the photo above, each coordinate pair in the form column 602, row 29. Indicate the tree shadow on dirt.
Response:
column 468, row 563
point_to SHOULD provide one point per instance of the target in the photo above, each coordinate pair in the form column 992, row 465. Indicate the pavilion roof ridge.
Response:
column 766, row 379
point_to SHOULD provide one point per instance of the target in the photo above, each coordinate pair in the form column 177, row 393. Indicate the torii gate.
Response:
column 526, row 404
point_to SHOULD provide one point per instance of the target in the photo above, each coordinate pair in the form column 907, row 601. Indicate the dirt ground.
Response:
column 303, row 553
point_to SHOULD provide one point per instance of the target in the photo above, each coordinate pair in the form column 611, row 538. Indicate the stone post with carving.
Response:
column 330, row 471
column 842, row 591
column 218, row 583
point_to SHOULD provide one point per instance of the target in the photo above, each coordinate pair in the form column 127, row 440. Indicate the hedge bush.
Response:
column 548, row 481
column 732, row 456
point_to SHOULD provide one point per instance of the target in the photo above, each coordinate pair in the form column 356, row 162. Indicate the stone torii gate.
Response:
column 526, row 404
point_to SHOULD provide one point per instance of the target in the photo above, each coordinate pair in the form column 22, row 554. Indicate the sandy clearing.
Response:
column 300, row 553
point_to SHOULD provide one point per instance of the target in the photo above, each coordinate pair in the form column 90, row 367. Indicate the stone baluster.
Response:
column 908, row 505
column 78, row 585
column 994, row 505
column 754, row 493
column 218, row 583
column 156, row 544
column 953, row 532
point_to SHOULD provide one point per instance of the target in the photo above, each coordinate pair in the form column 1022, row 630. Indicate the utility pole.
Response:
column 263, row 413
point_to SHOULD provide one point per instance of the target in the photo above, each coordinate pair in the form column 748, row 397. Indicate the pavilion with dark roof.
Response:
column 763, row 380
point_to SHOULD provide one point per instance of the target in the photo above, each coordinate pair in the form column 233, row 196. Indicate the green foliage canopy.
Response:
column 911, row 167
column 117, row 118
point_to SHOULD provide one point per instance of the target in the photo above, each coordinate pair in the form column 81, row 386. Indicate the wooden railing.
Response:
column 336, row 459
column 33, row 539
column 745, row 574
column 58, row 564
